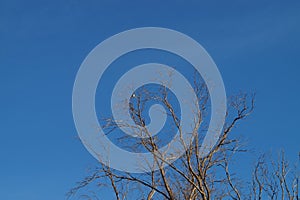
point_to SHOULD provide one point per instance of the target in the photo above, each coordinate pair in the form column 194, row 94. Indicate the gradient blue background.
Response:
column 255, row 44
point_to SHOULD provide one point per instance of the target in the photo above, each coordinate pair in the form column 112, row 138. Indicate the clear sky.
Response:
column 255, row 44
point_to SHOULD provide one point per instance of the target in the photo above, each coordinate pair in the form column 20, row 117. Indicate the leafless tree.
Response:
column 192, row 176
column 275, row 179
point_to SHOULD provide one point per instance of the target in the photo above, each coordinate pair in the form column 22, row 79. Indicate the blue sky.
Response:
column 255, row 44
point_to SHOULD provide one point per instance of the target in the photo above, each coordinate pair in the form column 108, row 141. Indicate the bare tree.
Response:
column 275, row 179
column 192, row 176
